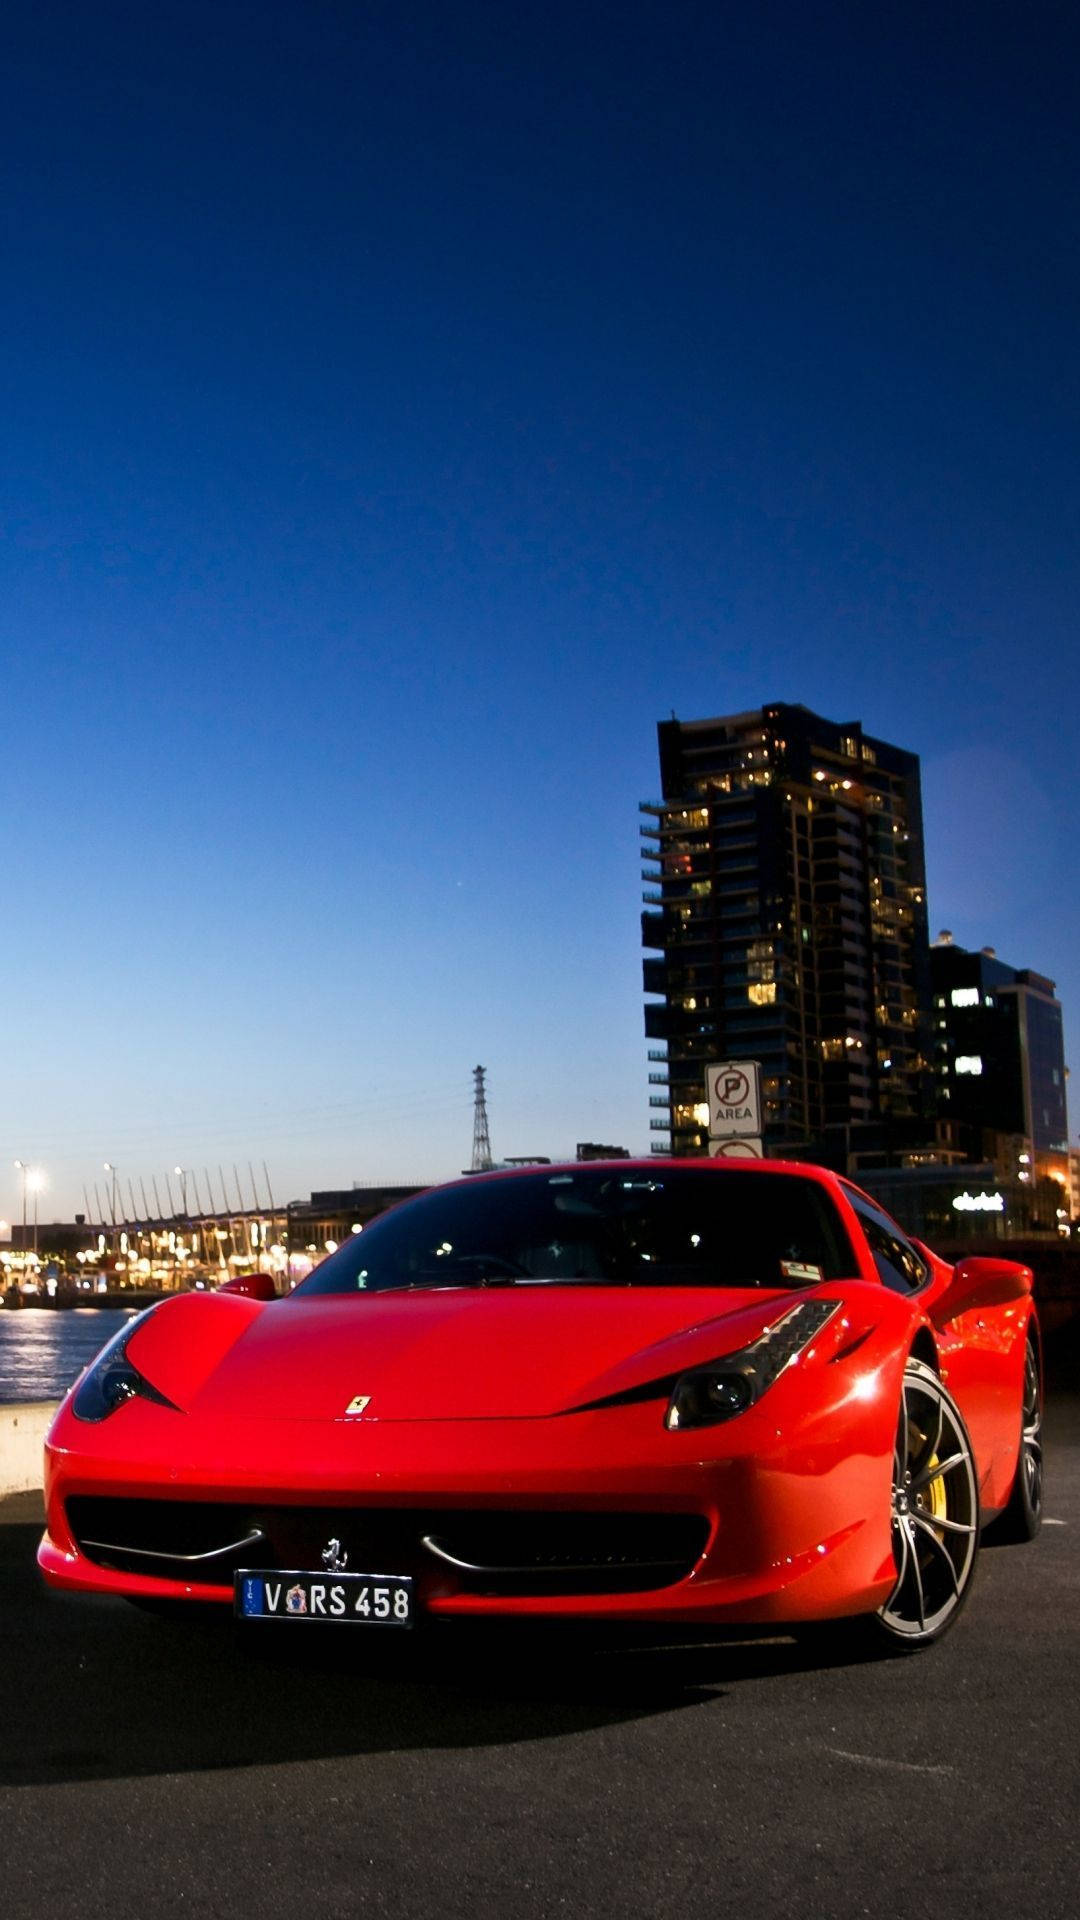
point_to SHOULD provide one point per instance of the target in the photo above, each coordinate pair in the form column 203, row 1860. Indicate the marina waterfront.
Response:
column 42, row 1350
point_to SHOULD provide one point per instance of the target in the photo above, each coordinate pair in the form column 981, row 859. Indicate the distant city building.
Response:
column 787, row 905
column 52, row 1238
column 946, row 1205
column 314, row 1226
column 999, row 1047
column 594, row 1150
column 1000, row 1066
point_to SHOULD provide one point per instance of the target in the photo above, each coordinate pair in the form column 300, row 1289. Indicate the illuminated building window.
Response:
column 969, row 1063
column 964, row 996
column 761, row 973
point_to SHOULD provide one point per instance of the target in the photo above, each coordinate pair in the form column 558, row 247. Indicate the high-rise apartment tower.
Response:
column 788, row 908
column 999, row 1051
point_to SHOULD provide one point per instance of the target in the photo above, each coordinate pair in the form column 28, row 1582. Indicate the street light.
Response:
column 32, row 1180
column 21, row 1167
column 35, row 1181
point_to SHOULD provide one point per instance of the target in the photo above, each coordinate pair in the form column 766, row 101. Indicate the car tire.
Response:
column 935, row 1516
column 1022, row 1518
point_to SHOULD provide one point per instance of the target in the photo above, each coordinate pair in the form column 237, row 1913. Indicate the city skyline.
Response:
column 388, row 1111
column 406, row 412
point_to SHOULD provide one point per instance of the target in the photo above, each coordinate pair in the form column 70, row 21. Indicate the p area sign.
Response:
column 733, row 1090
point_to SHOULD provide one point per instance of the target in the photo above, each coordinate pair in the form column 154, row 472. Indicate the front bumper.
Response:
column 602, row 1515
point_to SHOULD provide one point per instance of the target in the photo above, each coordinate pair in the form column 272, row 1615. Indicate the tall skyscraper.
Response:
column 999, row 1053
column 787, row 905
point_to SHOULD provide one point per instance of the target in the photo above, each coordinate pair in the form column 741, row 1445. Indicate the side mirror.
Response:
column 257, row 1286
column 982, row 1281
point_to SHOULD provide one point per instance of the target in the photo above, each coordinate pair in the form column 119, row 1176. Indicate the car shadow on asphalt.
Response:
column 91, row 1688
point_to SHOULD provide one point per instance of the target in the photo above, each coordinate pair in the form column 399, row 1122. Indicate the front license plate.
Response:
column 371, row 1599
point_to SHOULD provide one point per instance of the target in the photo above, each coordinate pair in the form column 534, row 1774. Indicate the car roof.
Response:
column 803, row 1169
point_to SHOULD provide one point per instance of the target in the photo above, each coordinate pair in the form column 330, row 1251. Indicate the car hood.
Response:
column 505, row 1353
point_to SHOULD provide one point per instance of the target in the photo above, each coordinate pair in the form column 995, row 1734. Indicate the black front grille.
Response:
column 203, row 1542
column 197, row 1540
column 567, row 1552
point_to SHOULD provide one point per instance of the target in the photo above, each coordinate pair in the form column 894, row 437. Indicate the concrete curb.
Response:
column 22, row 1437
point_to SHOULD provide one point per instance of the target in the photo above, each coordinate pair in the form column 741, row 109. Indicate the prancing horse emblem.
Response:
column 358, row 1404
column 332, row 1557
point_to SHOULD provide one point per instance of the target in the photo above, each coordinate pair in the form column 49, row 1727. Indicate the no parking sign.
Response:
column 733, row 1090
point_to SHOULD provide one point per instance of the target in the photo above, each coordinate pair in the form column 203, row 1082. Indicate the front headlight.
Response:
column 707, row 1395
column 112, row 1378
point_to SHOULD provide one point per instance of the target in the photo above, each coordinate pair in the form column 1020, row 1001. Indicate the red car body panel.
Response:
column 485, row 1400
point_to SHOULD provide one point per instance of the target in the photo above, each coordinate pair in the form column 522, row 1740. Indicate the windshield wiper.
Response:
column 446, row 1282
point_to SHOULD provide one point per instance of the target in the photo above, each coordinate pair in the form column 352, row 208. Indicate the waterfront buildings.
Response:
column 170, row 1254
column 785, row 922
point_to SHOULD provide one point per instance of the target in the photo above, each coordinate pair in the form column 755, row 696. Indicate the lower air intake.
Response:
column 203, row 1542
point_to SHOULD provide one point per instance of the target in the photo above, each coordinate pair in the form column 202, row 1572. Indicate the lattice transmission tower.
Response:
column 481, row 1138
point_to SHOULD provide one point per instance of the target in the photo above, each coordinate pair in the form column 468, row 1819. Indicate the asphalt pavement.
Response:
column 160, row 1769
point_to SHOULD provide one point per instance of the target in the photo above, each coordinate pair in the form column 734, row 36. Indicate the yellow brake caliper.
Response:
column 931, row 1498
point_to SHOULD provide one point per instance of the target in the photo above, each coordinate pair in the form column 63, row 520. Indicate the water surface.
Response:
column 42, row 1350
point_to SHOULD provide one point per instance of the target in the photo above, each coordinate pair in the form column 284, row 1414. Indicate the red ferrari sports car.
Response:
column 677, row 1392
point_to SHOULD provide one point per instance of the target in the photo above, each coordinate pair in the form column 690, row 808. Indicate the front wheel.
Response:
column 935, row 1514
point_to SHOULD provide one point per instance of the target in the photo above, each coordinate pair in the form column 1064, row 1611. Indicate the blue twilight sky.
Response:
column 407, row 405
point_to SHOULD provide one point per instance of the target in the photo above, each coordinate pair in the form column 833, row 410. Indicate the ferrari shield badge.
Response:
column 357, row 1404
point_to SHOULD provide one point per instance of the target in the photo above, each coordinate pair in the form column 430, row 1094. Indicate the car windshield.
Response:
column 677, row 1226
